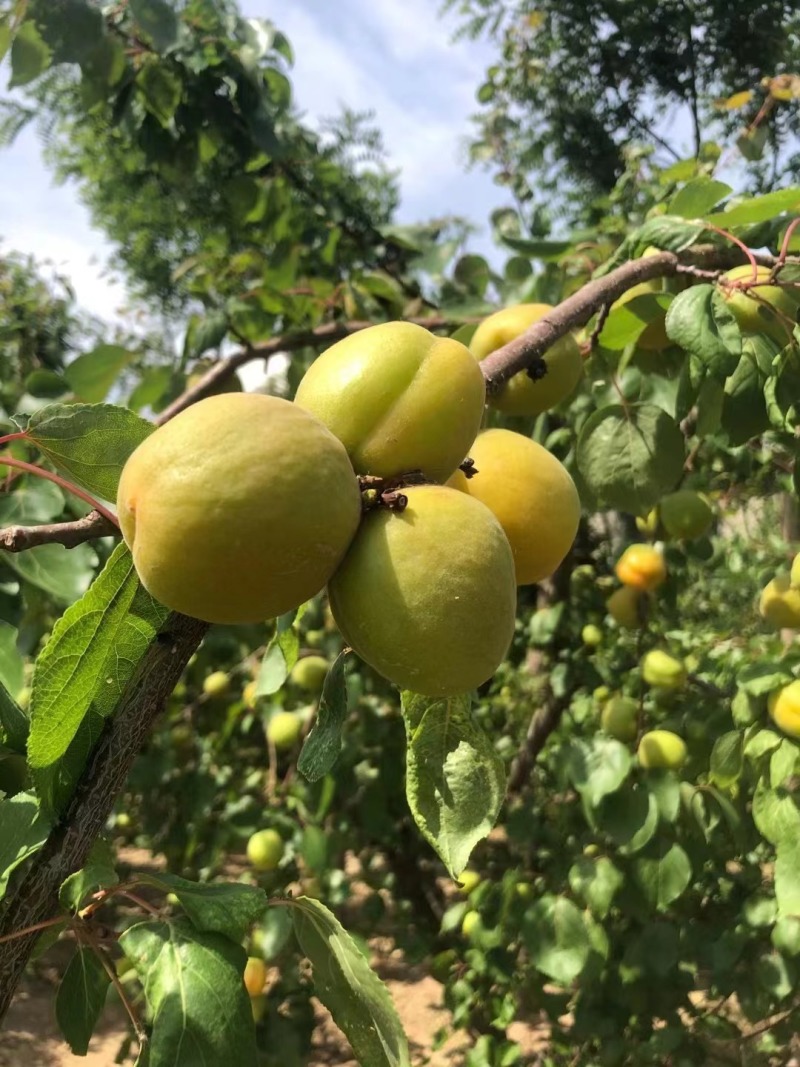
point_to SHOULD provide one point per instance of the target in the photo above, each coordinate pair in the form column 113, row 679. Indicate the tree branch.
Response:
column 68, row 534
column 543, row 723
column 35, row 898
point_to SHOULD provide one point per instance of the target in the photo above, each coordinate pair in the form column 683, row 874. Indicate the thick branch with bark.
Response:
column 35, row 898
column 68, row 534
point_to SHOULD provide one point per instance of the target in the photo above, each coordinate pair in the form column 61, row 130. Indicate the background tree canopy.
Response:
column 577, row 82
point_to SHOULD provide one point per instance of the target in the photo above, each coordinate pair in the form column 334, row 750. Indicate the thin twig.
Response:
column 68, row 534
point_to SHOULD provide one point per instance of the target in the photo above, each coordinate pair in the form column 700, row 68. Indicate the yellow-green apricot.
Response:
column 794, row 577
column 238, row 509
column 784, row 707
column 779, row 603
column 309, row 673
column 398, row 398
column 628, row 607
column 769, row 309
column 265, row 849
column 685, row 514
column 662, row 670
column 619, row 718
column 531, row 494
column 662, row 750
column 284, row 729
column 255, row 976
column 522, row 395
column 427, row 595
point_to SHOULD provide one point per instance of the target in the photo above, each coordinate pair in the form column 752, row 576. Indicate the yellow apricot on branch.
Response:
column 619, row 718
column 531, row 494
column 427, row 595
column 265, row 850
column 762, row 308
column 309, row 673
column 641, row 567
column 284, row 729
column 662, row 670
column 524, row 394
column 255, row 976
column 784, row 708
column 779, row 604
column 399, row 398
column 238, row 509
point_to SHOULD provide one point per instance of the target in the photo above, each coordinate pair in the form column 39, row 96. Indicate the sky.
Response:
column 393, row 57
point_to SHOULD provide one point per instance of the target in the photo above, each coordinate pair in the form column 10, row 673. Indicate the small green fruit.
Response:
column 662, row 750
column 314, row 638
column 471, row 924
column 265, row 849
column 601, row 694
column 592, row 635
column 619, row 718
column 686, row 514
column 662, row 670
column 258, row 1006
column 284, row 729
column 309, row 673
column 469, row 880
column 216, row 684
column 24, row 697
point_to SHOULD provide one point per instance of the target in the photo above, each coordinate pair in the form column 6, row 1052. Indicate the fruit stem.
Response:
column 31, row 468
column 7, row 438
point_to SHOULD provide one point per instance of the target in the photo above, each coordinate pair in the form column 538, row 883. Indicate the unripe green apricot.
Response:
column 662, row 670
column 522, row 395
column 309, row 673
column 592, row 635
column 398, row 398
column 216, row 684
column 769, row 309
column 427, row 595
column 601, row 693
column 619, row 718
column 238, row 509
column 662, row 750
column 265, row 849
column 628, row 607
column 471, row 924
column 24, row 697
column 284, row 729
column 686, row 514
column 779, row 603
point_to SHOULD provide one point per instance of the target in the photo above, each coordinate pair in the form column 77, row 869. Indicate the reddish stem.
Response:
column 31, row 468
column 12, row 437
column 32, row 929
column 730, row 237
column 785, row 245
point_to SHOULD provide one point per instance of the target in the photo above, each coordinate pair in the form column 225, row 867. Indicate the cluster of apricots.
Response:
column 244, row 506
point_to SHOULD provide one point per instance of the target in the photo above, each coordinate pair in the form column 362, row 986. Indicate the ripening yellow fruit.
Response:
column 648, row 524
column 250, row 694
column 686, row 514
column 522, row 395
column 779, row 604
column 662, row 750
column 532, row 496
column 216, row 684
column 592, row 635
column 258, row 1006
column 662, row 670
column 619, row 718
column 309, row 673
column 471, row 924
column 794, row 577
column 238, row 509
column 469, row 880
column 265, row 849
column 284, row 729
column 628, row 607
column 398, row 398
column 784, row 707
column 427, row 596
column 769, row 309
column 255, row 976
column 641, row 567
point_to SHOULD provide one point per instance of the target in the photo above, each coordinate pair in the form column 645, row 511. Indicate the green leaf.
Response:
column 92, row 374
column 158, row 20
column 630, row 457
column 455, row 781
column 14, row 723
column 195, row 995
column 556, row 938
column 23, row 831
column 597, row 767
column 473, row 273
column 727, row 759
column 89, row 442
column 544, row 250
column 356, row 998
column 95, row 650
column 776, row 815
column 629, row 816
column 5, row 39
column 30, row 56
column 627, row 321
column 744, row 412
column 323, row 744
column 46, row 384
column 596, row 882
column 12, row 665
column 99, row 873
column 227, row 908
column 80, row 999
column 697, row 197
column 205, row 332
column 162, row 94
column 758, row 209
column 664, row 876
column 271, row 935
column 666, row 232
column 700, row 321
